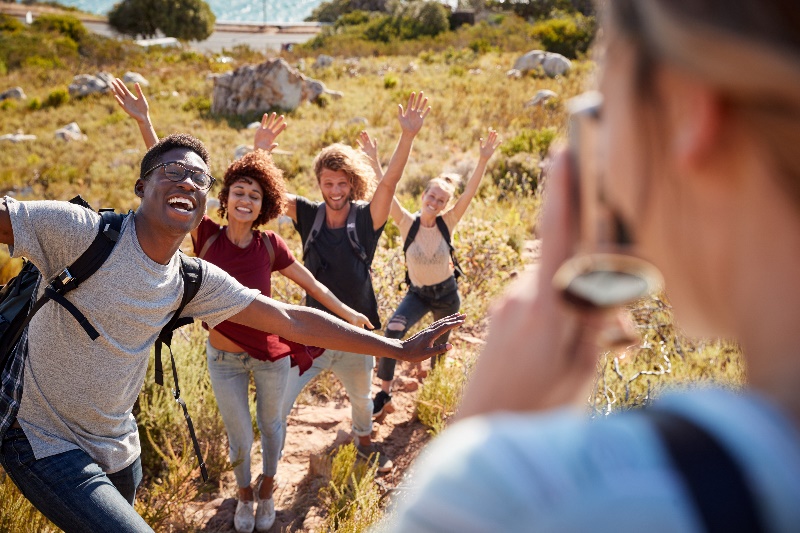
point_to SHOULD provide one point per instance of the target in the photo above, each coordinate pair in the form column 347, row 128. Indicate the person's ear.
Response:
column 696, row 114
column 138, row 188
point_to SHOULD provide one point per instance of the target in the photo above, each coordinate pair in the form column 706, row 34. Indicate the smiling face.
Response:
column 335, row 187
column 244, row 202
column 434, row 200
column 173, row 207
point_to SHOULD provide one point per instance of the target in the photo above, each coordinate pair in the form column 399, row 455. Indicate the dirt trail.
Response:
column 314, row 431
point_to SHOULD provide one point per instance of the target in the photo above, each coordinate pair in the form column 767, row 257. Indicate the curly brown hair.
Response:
column 256, row 167
column 353, row 163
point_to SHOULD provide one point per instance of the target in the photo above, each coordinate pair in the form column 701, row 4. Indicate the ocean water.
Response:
column 258, row 11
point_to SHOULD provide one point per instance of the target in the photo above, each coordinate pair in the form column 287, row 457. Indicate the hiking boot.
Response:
column 265, row 512
column 372, row 453
column 382, row 405
column 244, row 519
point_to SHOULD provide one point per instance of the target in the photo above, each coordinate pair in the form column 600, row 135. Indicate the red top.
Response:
column 250, row 267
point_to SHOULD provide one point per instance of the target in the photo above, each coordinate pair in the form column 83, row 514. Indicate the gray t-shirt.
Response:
column 79, row 393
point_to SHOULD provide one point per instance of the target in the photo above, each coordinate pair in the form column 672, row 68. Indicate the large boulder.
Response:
column 70, row 132
column 86, row 84
column 551, row 63
column 530, row 61
column 323, row 61
column 135, row 77
column 556, row 65
column 258, row 88
column 15, row 92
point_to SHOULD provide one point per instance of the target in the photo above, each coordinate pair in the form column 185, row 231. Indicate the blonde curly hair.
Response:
column 353, row 163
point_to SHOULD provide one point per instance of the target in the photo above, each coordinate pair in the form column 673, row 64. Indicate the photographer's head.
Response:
column 700, row 125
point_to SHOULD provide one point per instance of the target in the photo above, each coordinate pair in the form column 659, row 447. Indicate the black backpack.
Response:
column 442, row 225
column 350, row 230
column 18, row 305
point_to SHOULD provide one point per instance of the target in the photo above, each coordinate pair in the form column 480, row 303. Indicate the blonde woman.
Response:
column 430, row 260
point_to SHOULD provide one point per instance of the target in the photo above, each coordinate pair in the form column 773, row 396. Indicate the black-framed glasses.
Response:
column 175, row 171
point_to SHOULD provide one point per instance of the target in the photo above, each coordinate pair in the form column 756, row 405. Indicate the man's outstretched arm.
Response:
column 315, row 328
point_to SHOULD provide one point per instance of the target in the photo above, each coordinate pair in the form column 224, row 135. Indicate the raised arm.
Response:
column 411, row 120
column 271, row 126
column 136, row 108
column 315, row 328
column 301, row 275
column 488, row 146
column 369, row 146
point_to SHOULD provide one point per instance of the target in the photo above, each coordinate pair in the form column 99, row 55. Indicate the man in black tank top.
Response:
column 340, row 236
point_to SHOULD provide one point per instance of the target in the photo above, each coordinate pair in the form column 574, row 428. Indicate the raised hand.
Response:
column 271, row 126
column 411, row 119
column 370, row 148
column 421, row 347
column 489, row 145
column 137, row 108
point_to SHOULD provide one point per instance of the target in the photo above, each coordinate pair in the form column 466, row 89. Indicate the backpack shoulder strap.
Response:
column 316, row 227
column 192, row 274
column 412, row 233
column 715, row 481
column 445, row 231
column 270, row 249
column 352, row 236
column 209, row 242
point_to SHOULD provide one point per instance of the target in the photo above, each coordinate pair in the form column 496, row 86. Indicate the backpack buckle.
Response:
column 65, row 277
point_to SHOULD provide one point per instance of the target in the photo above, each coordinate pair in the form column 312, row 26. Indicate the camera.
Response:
column 603, row 272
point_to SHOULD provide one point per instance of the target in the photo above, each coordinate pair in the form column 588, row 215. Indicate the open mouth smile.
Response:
column 182, row 204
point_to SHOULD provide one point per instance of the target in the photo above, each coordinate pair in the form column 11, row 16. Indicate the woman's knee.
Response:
column 396, row 328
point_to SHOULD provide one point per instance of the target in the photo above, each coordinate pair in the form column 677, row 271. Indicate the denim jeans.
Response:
column 441, row 299
column 72, row 490
column 230, row 379
column 353, row 370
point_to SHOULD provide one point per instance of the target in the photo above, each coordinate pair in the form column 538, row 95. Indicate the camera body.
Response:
column 603, row 272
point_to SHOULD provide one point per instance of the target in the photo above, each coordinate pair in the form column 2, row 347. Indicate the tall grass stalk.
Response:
column 17, row 514
column 351, row 497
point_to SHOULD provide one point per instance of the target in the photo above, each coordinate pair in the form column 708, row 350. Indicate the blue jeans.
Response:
column 354, row 371
column 441, row 299
column 230, row 379
column 72, row 490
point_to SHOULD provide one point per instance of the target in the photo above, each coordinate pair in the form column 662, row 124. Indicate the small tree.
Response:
column 190, row 20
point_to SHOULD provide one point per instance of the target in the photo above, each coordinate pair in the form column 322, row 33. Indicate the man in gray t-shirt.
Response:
column 74, row 449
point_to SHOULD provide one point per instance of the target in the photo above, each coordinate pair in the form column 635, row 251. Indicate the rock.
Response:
column 514, row 74
column 556, row 65
column 361, row 121
column 241, row 151
column 405, row 384
column 301, row 65
column 254, row 125
column 135, row 77
column 15, row 92
column 70, row 132
column 552, row 64
column 86, row 84
column 323, row 61
column 257, row 88
column 475, row 71
column 541, row 97
column 17, row 137
column 410, row 68
column 530, row 61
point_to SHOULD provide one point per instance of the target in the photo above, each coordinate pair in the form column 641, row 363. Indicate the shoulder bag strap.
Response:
column 352, row 236
column 445, row 231
column 316, row 227
column 716, row 482
column 270, row 250
column 209, row 242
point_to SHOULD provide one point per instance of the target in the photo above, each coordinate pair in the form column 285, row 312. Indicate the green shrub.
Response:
column 390, row 81
column 8, row 104
column 351, row 496
column 441, row 394
column 568, row 35
column 531, row 141
column 34, row 104
column 66, row 25
column 57, row 98
column 10, row 24
column 201, row 104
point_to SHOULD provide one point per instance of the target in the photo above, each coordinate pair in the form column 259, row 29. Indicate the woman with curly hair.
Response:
column 253, row 193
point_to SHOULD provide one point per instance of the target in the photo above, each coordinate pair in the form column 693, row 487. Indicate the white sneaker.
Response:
column 265, row 514
column 244, row 520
